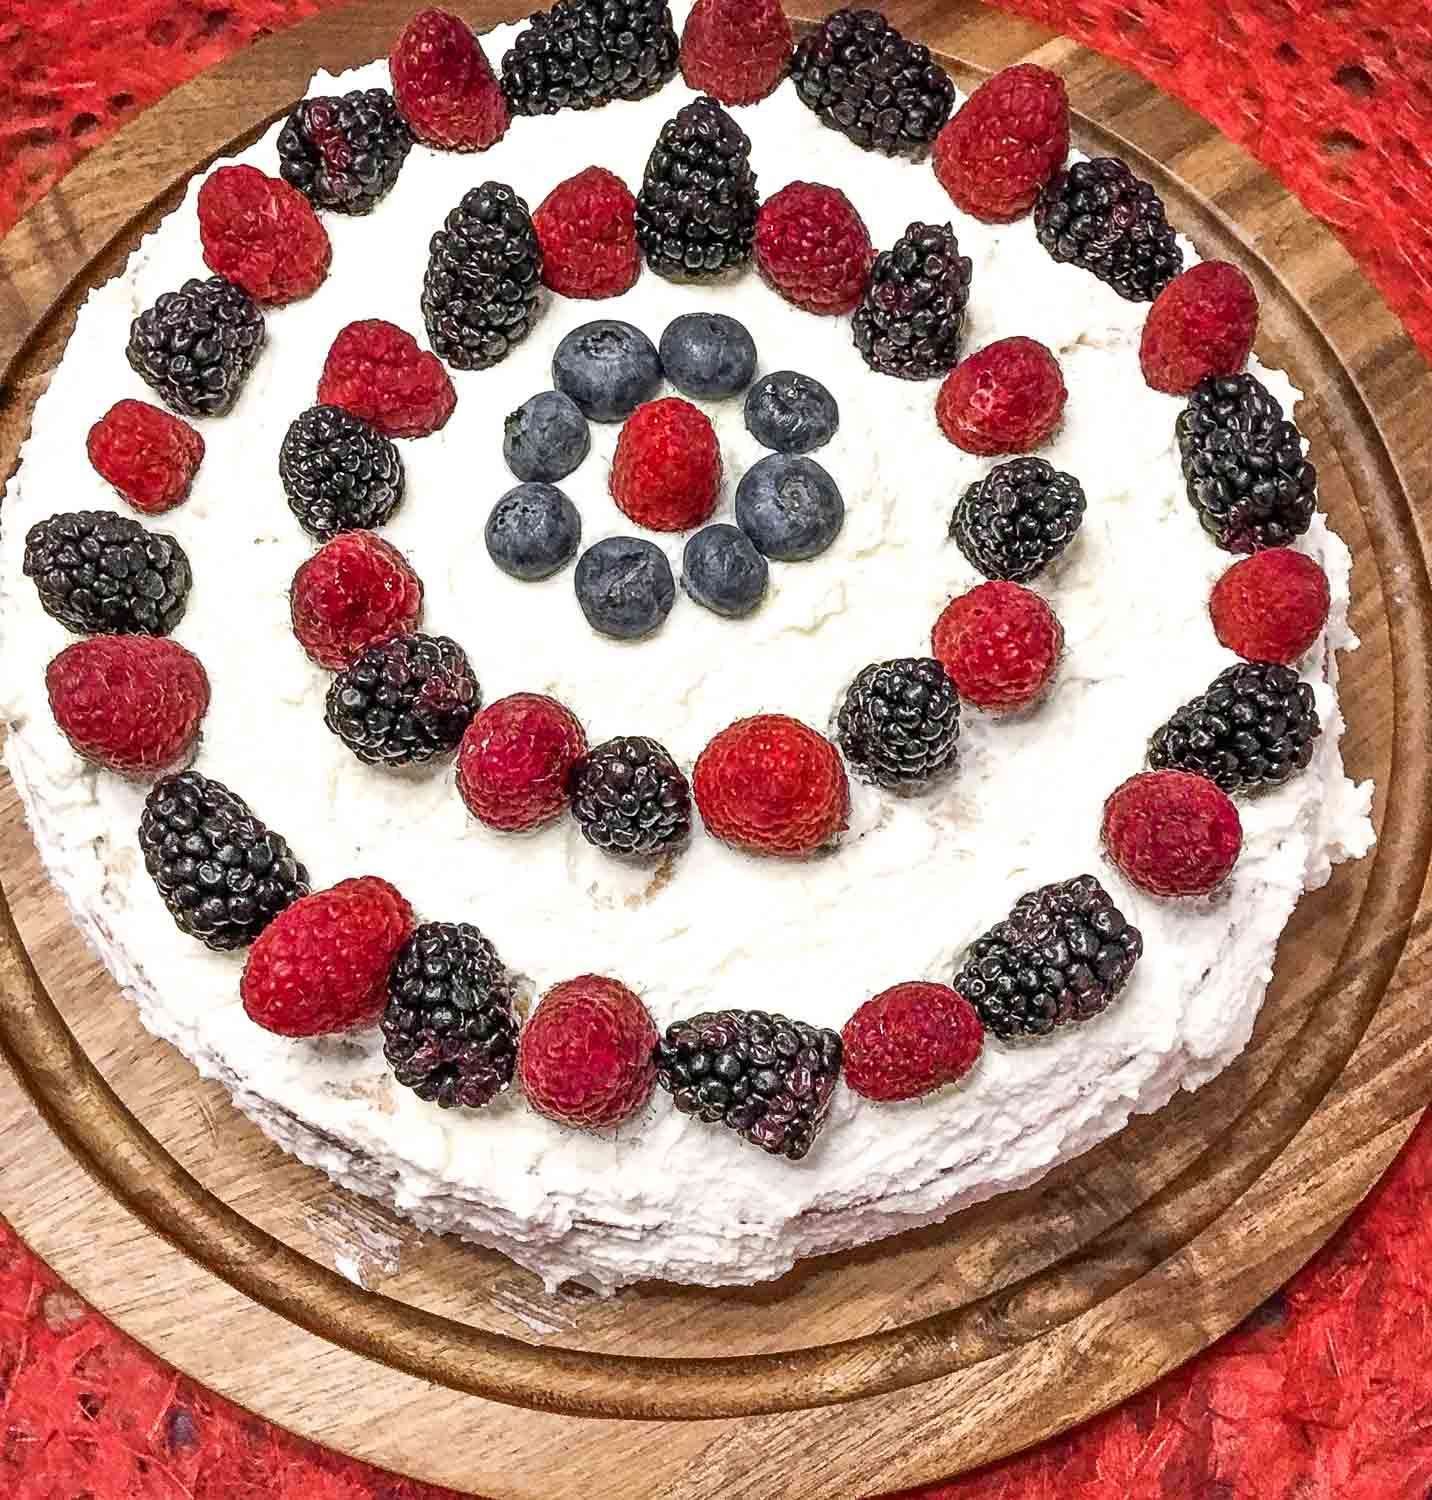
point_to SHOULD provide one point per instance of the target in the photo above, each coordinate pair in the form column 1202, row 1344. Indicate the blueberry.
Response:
column 791, row 413
column 708, row 355
column 608, row 368
column 722, row 570
column 533, row 531
column 546, row 437
column 789, row 507
column 625, row 587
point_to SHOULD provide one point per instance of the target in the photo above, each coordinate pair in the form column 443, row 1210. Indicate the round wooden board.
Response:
column 897, row 1364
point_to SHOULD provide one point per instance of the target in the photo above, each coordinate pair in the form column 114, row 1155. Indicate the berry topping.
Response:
column 900, row 723
column 708, row 355
column 813, row 247
column 99, row 572
column 515, row 759
column 195, row 347
column 587, row 229
column 321, row 966
column 353, row 593
column 444, row 85
column 1016, row 520
column 262, row 235
column 1271, row 606
column 608, row 368
column 1000, row 644
column 1172, row 833
column 147, row 455
column 791, row 413
column 339, row 472
column 721, row 570
column 768, row 1079
column 377, row 371
column 533, row 532
column 1201, row 324
column 1005, row 142
column 666, row 471
column 132, row 703
column 630, row 798
column 545, row 438
column 624, row 586
column 911, row 320
column 484, row 271
column 449, row 1033
column 222, row 874
column 735, row 50
column 344, row 154
column 1008, row 398
column 772, row 785
column 404, row 701
column 789, row 507
column 910, row 1040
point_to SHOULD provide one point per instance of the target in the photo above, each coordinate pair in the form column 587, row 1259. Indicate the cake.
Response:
column 912, row 864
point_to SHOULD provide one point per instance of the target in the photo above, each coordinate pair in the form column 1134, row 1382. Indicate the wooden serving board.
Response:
column 900, row 1363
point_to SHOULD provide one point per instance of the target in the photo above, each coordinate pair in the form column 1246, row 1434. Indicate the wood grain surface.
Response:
column 888, row 1366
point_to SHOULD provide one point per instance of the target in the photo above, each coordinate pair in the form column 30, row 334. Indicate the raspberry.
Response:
column 772, row 785
column 910, row 1040
column 262, row 234
column 1000, row 644
column 322, row 964
column 130, row 702
column 147, row 455
column 515, row 759
column 736, row 50
column 1201, row 324
column 444, row 85
column 378, row 372
column 1172, row 833
column 1271, row 606
column 667, row 467
column 1008, row 398
column 813, row 247
column 1005, row 142
column 587, row 229
column 585, row 1057
column 354, row 592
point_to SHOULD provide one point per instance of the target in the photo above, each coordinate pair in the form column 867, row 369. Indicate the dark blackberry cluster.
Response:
column 767, row 1078
column 1016, row 520
column 1243, row 465
column 867, row 81
column 911, row 320
column 449, row 1033
column 484, row 274
column 1254, row 727
column 99, row 573
column 223, row 875
column 629, row 797
column 900, row 722
column 583, row 53
column 339, row 473
column 195, row 347
column 404, row 701
column 344, row 153
column 696, row 211
column 1099, row 216
column 1060, row 957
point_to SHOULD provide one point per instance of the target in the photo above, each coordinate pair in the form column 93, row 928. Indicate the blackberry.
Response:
column 864, row 79
column 1099, row 216
column 1017, row 519
column 911, row 320
column 1061, row 956
column 1243, row 465
column 484, row 273
column 97, row 572
column 344, row 153
column 767, row 1078
column 630, row 798
column 404, row 701
column 223, row 875
column 449, row 1033
column 696, row 211
column 583, row 53
column 900, row 722
column 195, row 347
column 1255, row 726
column 339, row 473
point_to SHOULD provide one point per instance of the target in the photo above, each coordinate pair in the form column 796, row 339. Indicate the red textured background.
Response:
column 1326, row 1394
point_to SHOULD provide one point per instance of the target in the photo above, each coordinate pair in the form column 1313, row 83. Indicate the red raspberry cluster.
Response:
column 354, row 592
column 377, row 371
column 444, row 85
column 736, row 50
column 149, row 456
column 262, row 234
column 813, row 247
column 587, row 229
column 666, row 472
